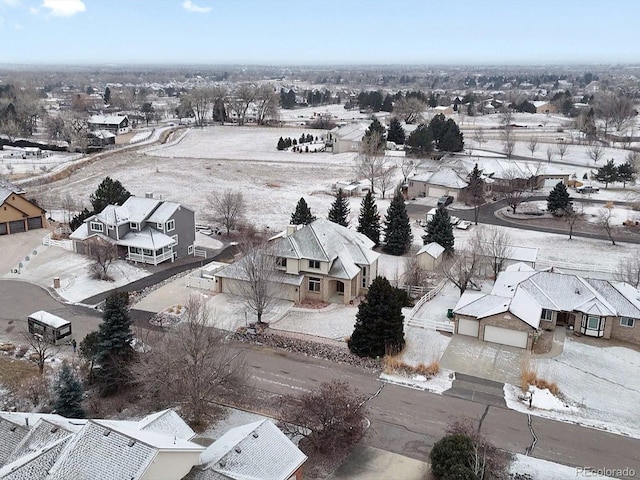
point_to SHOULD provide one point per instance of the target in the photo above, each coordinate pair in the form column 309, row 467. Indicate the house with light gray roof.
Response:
column 322, row 261
column 145, row 230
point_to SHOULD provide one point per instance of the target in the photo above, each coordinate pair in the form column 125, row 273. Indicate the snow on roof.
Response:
column 594, row 306
column 137, row 209
column 631, row 294
column 167, row 422
column 40, row 435
column 163, row 212
column 107, row 119
column 540, row 103
column 352, row 131
column 149, row 436
column 480, row 305
column 507, row 281
column 34, row 465
column 7, row 188
column 483, row 305
column 12, row 431
column 519, row 267
column 433, row 249
column 237, row 271
column 148, row 238
column 49, row 319
column 257, row 450
column 102, row 134
column 447, row 177
column 525, row 307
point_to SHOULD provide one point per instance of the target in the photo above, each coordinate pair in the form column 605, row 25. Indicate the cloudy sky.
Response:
column 319, row 32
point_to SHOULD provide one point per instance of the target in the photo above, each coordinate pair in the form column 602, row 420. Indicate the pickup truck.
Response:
column 585, row 189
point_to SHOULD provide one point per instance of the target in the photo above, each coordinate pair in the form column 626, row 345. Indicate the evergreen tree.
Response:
column 107, row 96
column 281, row 144
column 420, row 141
column 387, row 105
column 440, row 230
column 558, row 200
column 302, row 215
column 437, row 127
column 397, row 227
column 626, row 173
column 114, row 351
column 608, row 173
column 376, row 127
column 452, row 139
column 396, row 132
column 339, row 212
column 79, row 218
column 109, row 192
column 69, row 393
column 475, row 191
column 369, row 219
column 379, row 321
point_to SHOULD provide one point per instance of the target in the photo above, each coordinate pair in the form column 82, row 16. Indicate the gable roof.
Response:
column 433, row 249
column 256, row 451
column 107, row 119
column 479, row 305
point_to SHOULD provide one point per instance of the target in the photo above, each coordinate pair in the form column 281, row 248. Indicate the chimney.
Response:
column 148, row 195
column 291, row 229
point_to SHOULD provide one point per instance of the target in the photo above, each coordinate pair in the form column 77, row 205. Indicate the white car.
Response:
column 454, row 220
column 463, row 224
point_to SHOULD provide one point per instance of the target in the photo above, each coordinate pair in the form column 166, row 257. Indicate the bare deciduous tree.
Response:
column 192, row 366
column 478, row 136
column 267, row 102
column 103, row 253
column 228, row 208
column 571, row 216
column 385, row 180
column 494, row 244
column 331, row 419
column 42, row 349
column 413, row 274
column 241, row 99
column 409, row 109
column 550, row 153
column 595, row 152
column 406, row 165
column 256, row 285
column 460, row 268
column 515, row 189
column 605, row 221
column 200, row 99
column 370, row 161
column 628, row 270
column 532, row 145
column 508, row 142
column 562, row 149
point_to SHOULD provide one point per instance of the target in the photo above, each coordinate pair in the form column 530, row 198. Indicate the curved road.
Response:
column 403, row 420
column 487, row 215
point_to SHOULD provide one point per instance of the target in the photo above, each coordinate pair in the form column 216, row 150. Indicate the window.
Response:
column 281, row 262
column 190, row 250
column 147, row 251
column 364, row 277
column 110, row 227
column 134, row 226
column 314, row 264
column 314, row 284
column 160, row 226
column 593, row 322
column 96, row 227
column 627, row 322
column 547, row 315
column 171, row 225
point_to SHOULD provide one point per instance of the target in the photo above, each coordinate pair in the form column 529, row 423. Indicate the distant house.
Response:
column 321, row 261
column 445, row 110
column 51, row 447
column 348, row 137
column 524, row 300
column 543, row 106
column 444, row 181
column 146, row 230
column 430, row 256
column 352, row 188
column 257, row 451
column 101, row 138
column 17, row 214
column 116, row 124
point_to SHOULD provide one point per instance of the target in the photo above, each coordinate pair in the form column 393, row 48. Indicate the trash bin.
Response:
column 450, row 313
column 56, row 282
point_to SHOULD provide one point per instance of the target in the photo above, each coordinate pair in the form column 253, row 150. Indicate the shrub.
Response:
column 450, row 457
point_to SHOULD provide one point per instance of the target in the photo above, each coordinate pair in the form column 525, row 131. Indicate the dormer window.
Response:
column 134, row 226
column 281, row 262
column 96, row 227
column 314, row 264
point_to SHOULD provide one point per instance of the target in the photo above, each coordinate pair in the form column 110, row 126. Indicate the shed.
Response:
column 430, row 256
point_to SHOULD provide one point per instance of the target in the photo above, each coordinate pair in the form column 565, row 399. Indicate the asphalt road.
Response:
column 487, row 215
column 403, row 420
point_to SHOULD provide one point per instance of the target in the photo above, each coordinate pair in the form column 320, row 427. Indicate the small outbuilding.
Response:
column 430, row 256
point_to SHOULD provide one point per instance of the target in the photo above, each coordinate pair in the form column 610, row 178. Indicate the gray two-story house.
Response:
column 145, row 230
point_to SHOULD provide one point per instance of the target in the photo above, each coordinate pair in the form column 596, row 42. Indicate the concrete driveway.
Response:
column 369, row 463
column 14, row 248
column 491, row 361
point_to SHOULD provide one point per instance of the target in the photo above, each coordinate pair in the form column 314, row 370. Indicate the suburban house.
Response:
column 524, row 300
column 430, row 256
column 509, row 255
column 322, row 261
column 444, row 181
column 17, row 214
column 348, row 137
column 51, row 447
column 543, row 106
column 116, row 124
column 257, row 451
column 145, row 229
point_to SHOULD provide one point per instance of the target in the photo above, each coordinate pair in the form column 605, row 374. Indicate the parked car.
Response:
column 585, row 189
column 454, row 220
column 444, row 201
column 463, row 224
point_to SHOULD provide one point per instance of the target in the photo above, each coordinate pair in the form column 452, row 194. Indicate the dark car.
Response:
column 444, row 201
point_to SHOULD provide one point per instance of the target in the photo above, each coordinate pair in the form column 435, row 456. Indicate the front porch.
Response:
column 152, row 257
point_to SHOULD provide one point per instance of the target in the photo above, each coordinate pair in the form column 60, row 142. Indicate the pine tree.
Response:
column 396, row 132
column 376, row 128
column 339, row 212
column 114, row 343
column 109, row 192
column 608, row 173
column 369, row 219
column 420, row 141
column 302, row 215
column 379, row 322
column 397, row 227
column 440, row 230
column 475, row 191
column 281, row 144
column 452, row 139
column 69, row 393
column 558, row 200
column 626, row 173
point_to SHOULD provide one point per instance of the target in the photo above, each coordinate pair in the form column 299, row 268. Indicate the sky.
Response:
column 321, row 32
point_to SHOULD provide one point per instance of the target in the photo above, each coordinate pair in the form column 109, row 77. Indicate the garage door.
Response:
column 504, row 336
column 437, row 191
column 468, row 327
column 552, row 182
column 3, row 228
column 17, row 226
column 34, row 222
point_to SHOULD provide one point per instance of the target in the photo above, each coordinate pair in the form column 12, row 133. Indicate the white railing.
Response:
column 439, row 325
column 200, row 253
column 427, row 297
column 580, row 267
column 152, row 259
column 50, row 242
column 199, row 282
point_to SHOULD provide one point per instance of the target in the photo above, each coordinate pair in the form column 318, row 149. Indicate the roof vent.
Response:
column 238, row 450
column 54, row 429
column 577, row 291
column 255, row 435
column 13, row 429
column 106, row 433
column 132, row 443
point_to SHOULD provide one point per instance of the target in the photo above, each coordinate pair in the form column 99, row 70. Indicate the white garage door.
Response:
column 468, row 327
column 504, row 336
column 437, row 191
column 552, row 182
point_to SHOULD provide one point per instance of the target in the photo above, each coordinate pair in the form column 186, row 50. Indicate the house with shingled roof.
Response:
column 17, row 214
column 322, row 261
column 144, row 229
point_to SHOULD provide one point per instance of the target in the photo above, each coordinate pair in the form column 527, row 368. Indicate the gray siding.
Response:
column 185, row 229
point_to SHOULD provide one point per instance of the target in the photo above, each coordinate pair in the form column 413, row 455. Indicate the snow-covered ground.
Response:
column 538, row 469
column 335, row 321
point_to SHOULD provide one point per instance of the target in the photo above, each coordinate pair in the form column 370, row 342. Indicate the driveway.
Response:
column 490, row 361
column 369, row 463
column 14, row 248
